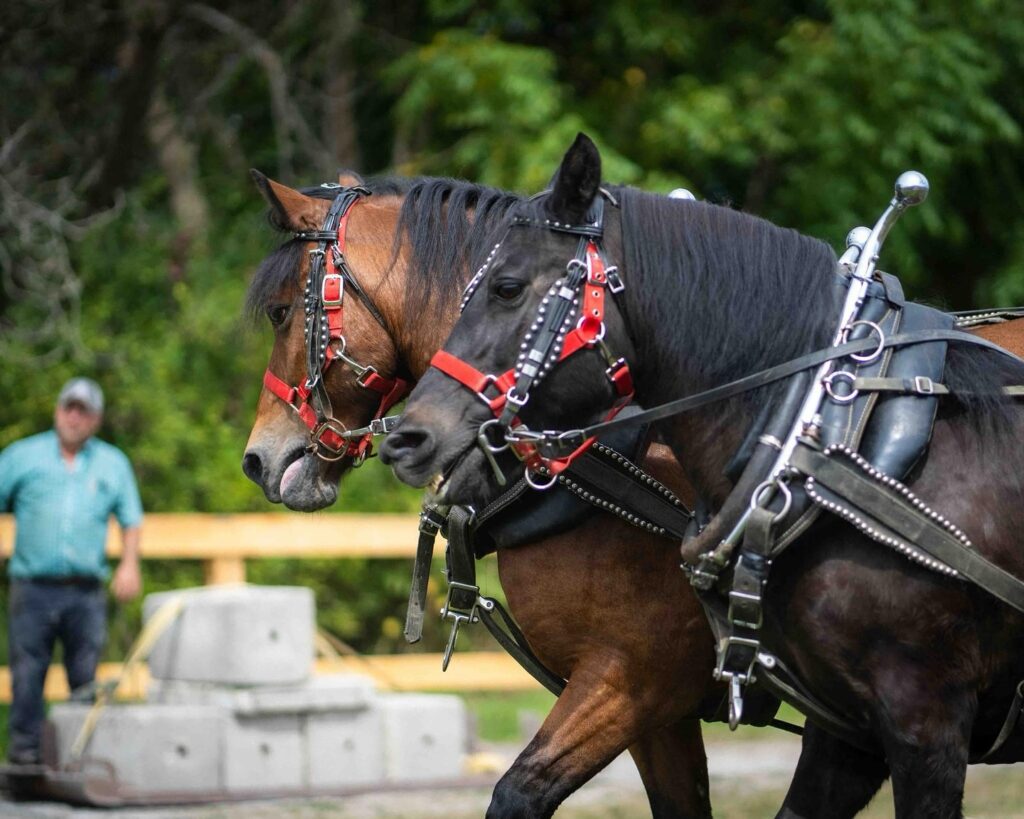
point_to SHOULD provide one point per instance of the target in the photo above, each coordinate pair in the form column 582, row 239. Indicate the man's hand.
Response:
column 127, row 581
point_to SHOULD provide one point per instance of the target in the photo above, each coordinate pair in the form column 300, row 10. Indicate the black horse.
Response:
column 926, row 665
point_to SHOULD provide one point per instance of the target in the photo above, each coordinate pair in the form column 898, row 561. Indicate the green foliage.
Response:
column 503, row 114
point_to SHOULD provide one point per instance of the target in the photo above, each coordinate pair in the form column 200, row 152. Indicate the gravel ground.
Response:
column 615, row 792
column 748, row 779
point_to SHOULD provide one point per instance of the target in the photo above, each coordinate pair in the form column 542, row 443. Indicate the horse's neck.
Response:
column 664, row 328
column 422, row 332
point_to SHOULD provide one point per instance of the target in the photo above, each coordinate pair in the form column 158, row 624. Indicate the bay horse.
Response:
column 604, row 606
column 927, row 665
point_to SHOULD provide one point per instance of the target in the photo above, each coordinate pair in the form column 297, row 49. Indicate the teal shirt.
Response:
column 61, row 513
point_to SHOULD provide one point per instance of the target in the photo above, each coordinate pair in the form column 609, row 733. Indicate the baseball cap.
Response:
column 83, row 390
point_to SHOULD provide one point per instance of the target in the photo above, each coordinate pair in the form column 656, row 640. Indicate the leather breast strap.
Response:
column 611, row 481
column 886, row 506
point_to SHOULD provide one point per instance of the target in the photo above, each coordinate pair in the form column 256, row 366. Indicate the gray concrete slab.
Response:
column 425, row 736
column 182, row 748
column 328, row 693
column 236, row 635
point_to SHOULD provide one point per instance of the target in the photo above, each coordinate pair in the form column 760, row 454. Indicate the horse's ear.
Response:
column 349, row 179
column 577, row 181
column 289, row 209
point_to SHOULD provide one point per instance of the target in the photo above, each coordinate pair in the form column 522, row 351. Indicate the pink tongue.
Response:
column 289, row 474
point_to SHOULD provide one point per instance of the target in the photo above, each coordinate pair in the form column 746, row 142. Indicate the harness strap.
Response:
column 1009, row 724
column 512, row 639
column 915, row 386
column 471, row 378
column 553, row 443
column 465, row 604
column 909, row 523
column 610, row 481
column 786, row 685
column 431, row 521
column 325, row 342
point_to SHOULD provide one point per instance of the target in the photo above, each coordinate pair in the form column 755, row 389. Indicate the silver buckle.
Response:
column 458, row 617
column 481, row 393
column 736, row 679
column 923, row 385
column 615, row 283
column 341, row 290
column 736, row 600
column 745, row 642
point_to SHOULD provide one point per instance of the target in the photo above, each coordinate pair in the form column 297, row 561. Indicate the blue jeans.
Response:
column 41, row 612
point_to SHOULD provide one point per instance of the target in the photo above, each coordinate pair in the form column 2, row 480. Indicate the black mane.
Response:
column 435, row 219
column 741, row 269
column 745, row 271
column 766, row 293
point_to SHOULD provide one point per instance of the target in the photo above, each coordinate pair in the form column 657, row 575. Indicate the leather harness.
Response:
column 834, row 478
column 597, row 473
column 324, row 303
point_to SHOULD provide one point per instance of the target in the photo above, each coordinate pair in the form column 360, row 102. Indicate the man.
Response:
column 62, row 486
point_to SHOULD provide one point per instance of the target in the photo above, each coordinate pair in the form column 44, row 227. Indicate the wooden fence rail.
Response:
column 225, row 542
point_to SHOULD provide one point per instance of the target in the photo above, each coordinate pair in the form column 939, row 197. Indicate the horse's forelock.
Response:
column 277, row 270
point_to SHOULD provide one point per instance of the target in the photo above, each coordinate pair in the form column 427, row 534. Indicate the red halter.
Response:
column 588, row 333
column 329, row 439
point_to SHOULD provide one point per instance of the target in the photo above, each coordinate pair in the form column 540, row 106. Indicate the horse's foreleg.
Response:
column 592, row 722
column 674, row 769
column 927, row 748
column 832, row 779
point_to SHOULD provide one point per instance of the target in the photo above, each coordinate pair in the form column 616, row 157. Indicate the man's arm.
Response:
column 127, row 582
column 7, row 479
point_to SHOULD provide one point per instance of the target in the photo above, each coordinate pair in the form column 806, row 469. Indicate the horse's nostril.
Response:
column 405, row 443
column 252, row 466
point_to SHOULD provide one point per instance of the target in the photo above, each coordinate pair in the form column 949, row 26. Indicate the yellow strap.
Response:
column 140, row 649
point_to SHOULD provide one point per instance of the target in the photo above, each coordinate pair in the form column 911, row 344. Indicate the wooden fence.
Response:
column 224, row 542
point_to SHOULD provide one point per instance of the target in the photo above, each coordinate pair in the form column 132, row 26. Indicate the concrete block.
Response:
column 328, row 693
column 153, row 749
column 344, row 749
column 263, row 754
column 236, row 635
column 425, row 736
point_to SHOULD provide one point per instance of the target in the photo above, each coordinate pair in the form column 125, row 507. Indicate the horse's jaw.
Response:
column 306, row 486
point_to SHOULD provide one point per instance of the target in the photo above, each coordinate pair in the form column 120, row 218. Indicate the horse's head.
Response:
column 332, row 367
column 543, row 294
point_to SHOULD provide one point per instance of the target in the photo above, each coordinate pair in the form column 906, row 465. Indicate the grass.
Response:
column 499, row 716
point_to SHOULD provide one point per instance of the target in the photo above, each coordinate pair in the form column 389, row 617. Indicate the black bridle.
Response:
column 324, row 297
column 569, row 318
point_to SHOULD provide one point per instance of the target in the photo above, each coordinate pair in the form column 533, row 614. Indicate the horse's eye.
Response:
column 508, row 290
column 278, row 313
